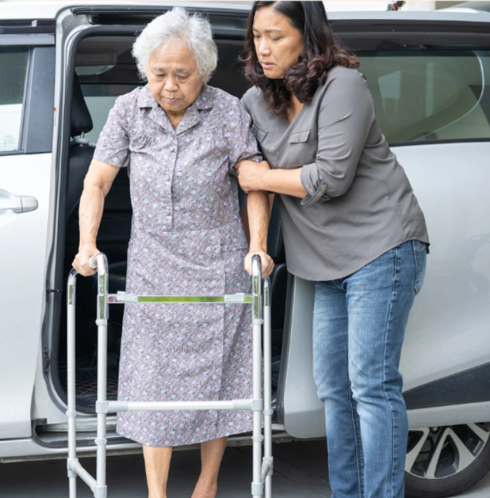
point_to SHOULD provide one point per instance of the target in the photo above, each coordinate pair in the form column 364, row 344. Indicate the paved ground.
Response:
column 300, row 472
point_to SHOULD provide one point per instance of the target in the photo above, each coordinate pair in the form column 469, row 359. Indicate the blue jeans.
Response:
column 358, row 329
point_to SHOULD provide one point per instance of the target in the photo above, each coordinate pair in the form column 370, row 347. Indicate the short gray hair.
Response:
column 177, row 24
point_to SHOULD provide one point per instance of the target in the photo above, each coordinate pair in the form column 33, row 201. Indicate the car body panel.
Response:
column 51, row 9
column 23, row 252
column 455, row 206
column 442, row 337
column 449, row 327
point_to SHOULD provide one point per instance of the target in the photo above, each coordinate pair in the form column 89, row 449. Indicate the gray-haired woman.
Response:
column 182, row 140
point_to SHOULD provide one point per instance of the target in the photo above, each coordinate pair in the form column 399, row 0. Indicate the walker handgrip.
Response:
column 92, row 262
column 257, row 263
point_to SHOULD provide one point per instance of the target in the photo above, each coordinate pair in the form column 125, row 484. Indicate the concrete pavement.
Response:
column 300, row 471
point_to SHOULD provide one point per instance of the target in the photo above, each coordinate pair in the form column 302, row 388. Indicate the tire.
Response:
column 445, row 461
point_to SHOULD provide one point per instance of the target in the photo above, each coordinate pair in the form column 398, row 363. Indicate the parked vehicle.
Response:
column 62, row 65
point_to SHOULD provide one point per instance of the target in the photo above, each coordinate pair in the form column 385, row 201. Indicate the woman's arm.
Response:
column 258, row 176
column 96, row 185
column 258, row 219
column 111, row 154
column 343, row 128
column 243, row 149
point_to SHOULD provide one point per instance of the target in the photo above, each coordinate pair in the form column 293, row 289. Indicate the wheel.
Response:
column 444, row 461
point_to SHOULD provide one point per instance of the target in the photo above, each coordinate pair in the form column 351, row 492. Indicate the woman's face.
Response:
column 277, row 43
column 173, row 77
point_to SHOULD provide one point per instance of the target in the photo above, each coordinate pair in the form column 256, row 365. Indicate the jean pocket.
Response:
column 420, row 256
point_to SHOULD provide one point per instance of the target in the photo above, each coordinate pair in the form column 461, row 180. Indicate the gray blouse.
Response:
column 360, row 203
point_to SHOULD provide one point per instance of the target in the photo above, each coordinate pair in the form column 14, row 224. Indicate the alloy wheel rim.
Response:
column 442, row 452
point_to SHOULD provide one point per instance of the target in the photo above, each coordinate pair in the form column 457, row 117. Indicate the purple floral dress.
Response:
column 186, row 239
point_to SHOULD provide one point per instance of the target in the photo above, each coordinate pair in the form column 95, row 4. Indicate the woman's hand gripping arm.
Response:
column 258, row 176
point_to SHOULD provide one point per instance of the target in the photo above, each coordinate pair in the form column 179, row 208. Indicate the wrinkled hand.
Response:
column 80, row 263
column 251, row 175
column 265, row 259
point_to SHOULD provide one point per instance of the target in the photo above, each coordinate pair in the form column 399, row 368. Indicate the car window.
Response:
column 13, row 71
column 430, row 95
column 420, row 96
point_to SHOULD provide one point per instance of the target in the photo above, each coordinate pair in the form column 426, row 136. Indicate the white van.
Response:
column 62, row 65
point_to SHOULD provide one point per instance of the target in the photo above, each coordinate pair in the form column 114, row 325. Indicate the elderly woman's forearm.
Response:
column 258, row 217
column 90, row 214
column 284, row 181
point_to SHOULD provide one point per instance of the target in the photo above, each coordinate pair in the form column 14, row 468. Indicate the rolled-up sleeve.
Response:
column 242, row 144
column 113, row 143
column 344, row 121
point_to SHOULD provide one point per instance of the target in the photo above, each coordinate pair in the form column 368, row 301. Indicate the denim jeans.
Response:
column 358, row 329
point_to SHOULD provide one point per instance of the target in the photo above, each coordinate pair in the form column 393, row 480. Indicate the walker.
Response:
column 261, row 312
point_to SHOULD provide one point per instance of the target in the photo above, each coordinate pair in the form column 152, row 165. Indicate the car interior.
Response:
column 104, row 70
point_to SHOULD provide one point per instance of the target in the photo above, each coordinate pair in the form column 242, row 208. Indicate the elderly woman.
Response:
column 181, row 139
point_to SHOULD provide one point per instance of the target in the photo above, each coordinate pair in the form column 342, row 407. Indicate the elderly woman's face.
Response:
column 173, row 77
column 277, row 44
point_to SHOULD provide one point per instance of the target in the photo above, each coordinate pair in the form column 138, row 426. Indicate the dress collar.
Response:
column 191, row 118
column 204, row 100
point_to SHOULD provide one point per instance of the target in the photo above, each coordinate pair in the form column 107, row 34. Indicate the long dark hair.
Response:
column 322, row 52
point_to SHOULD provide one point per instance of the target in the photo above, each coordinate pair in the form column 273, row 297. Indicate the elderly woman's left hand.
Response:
column 251, row 175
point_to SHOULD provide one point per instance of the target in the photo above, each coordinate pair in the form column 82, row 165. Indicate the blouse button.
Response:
column 299, row 139
column 275, row 146
column 322, row 188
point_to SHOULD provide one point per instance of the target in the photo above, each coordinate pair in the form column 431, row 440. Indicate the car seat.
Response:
column 81, row 151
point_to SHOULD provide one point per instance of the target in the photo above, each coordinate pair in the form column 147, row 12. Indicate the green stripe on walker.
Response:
column 194, row 299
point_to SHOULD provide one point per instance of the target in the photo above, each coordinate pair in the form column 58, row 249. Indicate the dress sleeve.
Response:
column 241, row 141
column 344, row 121
column 112, row 146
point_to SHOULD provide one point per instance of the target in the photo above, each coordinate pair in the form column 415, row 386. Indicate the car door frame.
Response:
column 24, row 280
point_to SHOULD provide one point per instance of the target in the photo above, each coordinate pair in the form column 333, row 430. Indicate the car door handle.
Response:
column 17, row 203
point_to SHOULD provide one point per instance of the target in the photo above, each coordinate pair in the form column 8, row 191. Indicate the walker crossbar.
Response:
column 261, row 313
column 122, row 297
column 128, row 406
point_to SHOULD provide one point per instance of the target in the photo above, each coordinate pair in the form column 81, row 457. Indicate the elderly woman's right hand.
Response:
column 80, row 263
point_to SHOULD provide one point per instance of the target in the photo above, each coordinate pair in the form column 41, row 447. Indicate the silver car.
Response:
column 62, row 65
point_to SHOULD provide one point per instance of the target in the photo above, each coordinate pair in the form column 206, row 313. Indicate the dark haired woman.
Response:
column 351, row 223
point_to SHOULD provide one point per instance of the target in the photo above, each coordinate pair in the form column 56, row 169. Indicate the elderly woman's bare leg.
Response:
column 157, row 464
column 211, row 456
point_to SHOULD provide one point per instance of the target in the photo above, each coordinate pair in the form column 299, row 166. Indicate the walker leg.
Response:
column 257, row 483
column 102, row 317
column 71, row 384
column 73, row 486
column 267, row 390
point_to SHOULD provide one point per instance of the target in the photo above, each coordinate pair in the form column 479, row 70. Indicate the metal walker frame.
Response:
column 261, row 313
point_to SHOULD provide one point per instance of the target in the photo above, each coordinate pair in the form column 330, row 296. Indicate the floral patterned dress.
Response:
column 186, row 239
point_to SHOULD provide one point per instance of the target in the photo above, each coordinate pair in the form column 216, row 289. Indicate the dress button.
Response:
column 322, row 188
column 275, row 146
